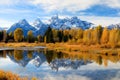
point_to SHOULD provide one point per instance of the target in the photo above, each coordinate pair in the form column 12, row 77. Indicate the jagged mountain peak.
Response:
column 23, row 21
column 39, row 28
column 38, row 23
column 38, row 20
column 55, row 17
column 68, row 23
column 23, row 24
column 74, row 17
column 114, row 26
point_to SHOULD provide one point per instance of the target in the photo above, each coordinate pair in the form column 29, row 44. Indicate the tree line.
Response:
column 94, row 36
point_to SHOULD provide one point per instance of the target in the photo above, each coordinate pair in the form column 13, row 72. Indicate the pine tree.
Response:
column 30, row 36
column 39, row 38
column 49, row 35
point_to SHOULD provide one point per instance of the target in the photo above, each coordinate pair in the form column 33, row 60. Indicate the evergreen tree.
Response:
column 49, row 35
column 5, row 36
column 10, row 35
column 39, row 38
column 55, row 35
column 65, row 35
column 30, row 37
column 60, row 35
column 1, row 35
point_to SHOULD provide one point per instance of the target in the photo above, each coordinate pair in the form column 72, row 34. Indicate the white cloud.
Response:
column 5, row 23
column 111, row 3
column 8, row 2
column 60, row 5
column 75, row 5
column 69, row 5
column 98, row 20
column 14, row 11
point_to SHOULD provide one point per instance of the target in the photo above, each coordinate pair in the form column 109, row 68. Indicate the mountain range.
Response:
column 39, row 28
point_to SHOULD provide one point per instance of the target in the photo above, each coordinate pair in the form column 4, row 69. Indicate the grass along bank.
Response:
column 21, row 44
column 63, row 46
column 10, row 76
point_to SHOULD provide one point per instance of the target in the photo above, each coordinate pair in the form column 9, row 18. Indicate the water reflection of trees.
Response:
column 51, row 55
column 99, row 58
column 18, row 55
column 30, row 54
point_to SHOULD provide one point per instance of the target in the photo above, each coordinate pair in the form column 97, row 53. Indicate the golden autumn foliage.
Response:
column 10, row 76
column 87, row 36
column 114, row 37
column 95, row 36
column 18, row 35
column 105, row 36
column 18, row 55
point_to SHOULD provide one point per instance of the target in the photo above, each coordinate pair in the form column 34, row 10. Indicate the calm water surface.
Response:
column 51, row 65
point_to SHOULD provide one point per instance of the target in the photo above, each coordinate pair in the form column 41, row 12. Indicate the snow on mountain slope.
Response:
column 115, row 26
column 38, row 23
column 21, row 24
column 68, row 23
column 40, row 26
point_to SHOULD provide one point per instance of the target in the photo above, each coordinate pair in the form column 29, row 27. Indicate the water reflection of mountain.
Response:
column 58, row 59
column 26, row 57
column 67, row 63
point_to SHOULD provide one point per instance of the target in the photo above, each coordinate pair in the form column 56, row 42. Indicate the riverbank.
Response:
column 21, row 44
column 60, row 46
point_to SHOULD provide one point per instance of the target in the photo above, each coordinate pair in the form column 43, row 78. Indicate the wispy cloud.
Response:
column 75, row 5
column 111, row 3
column 69, row 5
column 98, row 20
column 13, row 10
column 5, row 23
column 9, row 2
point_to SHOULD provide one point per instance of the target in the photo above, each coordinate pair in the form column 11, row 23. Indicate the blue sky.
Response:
column 102, row 12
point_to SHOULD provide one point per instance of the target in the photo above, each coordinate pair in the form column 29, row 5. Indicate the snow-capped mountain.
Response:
column 114, row 26
column 40, row 26
column 38, row 23
column 68, row 23
column 22, row 24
